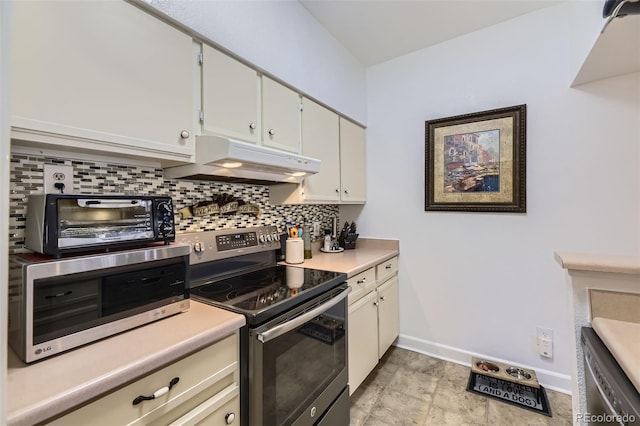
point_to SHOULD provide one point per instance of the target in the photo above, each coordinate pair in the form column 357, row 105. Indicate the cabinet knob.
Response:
column 229, row 418
column 346, row 191
column 272, row 132
column 382, row 298
column 184, row 134
column 337, row 191
column 376, row 304
column 252, row 126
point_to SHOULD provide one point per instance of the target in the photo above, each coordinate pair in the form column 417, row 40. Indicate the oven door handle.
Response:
column 298, row 321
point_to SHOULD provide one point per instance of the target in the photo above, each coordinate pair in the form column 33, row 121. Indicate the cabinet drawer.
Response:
column 221, row 409
column 386, row 269
column 202, row 375
column 361, row 284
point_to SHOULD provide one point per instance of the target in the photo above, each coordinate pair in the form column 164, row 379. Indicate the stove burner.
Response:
column 234, row 294
column 215, row 289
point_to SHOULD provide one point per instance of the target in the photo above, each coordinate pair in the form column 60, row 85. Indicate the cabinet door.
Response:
column 280, row 116
column 388, row 315
column 352, row 163
column 363, row 339
column 321, row 140
column 101, row 75
column 230, row 96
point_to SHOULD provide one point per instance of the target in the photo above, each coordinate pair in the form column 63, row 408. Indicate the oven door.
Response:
column 298, row 363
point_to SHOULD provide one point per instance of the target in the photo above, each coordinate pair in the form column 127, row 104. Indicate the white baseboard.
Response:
column 549, row 379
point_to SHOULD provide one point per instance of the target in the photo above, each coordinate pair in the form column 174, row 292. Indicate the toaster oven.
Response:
column 65, row 223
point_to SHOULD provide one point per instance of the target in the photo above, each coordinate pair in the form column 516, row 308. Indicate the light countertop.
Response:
column 622, row 338
column 599, row 262
column 368, row 253
column 38, row 391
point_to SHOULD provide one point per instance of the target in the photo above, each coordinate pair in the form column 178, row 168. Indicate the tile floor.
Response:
column 408, row 388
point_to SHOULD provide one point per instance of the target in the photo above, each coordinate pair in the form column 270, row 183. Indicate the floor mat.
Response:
column 531, row 398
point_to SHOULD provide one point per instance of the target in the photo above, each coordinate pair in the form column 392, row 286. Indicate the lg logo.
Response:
column 43, row 350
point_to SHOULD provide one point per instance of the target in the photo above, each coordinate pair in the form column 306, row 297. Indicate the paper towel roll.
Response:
column 294, row 251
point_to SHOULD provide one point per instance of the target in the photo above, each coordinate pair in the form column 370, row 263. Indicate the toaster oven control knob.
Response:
column 198, row 247
column 275, row 236
column 229, row 418
column 269, row 237
column 262, row 239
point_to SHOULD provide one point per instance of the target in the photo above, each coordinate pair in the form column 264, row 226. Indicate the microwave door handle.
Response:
column 298, row 321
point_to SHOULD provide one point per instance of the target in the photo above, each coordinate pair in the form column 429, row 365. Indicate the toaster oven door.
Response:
column 83, row 222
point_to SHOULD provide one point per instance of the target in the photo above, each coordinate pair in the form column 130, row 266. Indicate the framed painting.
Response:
column 477, row 162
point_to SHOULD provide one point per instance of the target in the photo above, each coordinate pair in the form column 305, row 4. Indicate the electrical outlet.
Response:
column 545, row 342
column 316, row 229
column 58, row 179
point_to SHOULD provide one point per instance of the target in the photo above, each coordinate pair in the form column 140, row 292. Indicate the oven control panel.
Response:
column 236, row 241
column 224, row 243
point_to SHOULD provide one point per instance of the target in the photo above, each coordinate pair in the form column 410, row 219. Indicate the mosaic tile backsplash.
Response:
column 109, row 178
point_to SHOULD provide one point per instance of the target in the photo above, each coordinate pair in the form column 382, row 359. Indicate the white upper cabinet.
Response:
column 597, row 55
column 103, row 76
column 340, row 145
column 280, row 116
column 353, row 187
column 321, row 140
column 230, row 97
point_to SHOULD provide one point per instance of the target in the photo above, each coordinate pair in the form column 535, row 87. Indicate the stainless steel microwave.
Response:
column 67, row 223
column 60, row 304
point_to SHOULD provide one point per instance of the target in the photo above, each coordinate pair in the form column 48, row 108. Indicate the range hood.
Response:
column 223, row 159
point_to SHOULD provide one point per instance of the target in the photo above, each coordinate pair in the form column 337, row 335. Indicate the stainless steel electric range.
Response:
column 294, row 348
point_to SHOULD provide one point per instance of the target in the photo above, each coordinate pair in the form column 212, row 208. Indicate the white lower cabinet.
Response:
column 388, row 315
column 373, row 318
column 363, row 339
column 207, row 392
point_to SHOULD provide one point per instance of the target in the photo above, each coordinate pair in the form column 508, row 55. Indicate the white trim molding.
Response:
column 548, row 379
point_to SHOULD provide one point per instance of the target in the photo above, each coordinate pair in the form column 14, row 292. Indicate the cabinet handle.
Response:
column 387, row 267
column 362, row 280
column 157, row 393
column 252, row 126
column 184, row 134
column 272, row 132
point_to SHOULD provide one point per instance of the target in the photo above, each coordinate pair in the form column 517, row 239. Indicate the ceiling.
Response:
column 375, row 31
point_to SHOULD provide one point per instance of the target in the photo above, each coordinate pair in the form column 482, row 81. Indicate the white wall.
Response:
column 282, row 38
column 480, row 283
column 4, row 195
